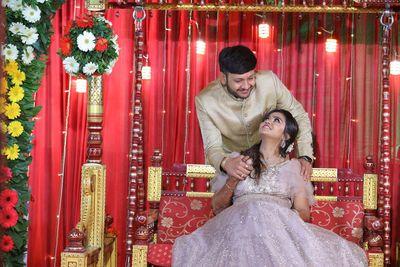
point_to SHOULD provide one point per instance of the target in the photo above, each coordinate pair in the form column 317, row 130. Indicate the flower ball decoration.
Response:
column 89, row 47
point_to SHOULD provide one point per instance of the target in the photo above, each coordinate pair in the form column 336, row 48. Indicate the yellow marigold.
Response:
column 16, row 93
column 11, row 67
column 3, row 103
column 15, row 128
column 3, row 127
column 4, row 151
column 3, row 86
column 12, row 111
column 18, row 77
column 12, row 152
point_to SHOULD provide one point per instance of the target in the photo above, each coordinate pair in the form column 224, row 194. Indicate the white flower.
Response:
column 28, row 55
column 338, row 212
column 101, row 18
column 29, row 35
column 109, row 68
column 31, row 14
column 5, row 3
column 167, row 222
column 115, row 44
column 86, row 41
column 15, row 5
column 90, row 68
column 10, row 52
column 17, row 27
column 71, row 65
column 41, row 1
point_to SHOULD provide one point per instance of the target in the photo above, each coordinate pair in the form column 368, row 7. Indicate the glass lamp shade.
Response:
column 330, row 45
column 263, row 30
column 146, row 72
column 395, row 67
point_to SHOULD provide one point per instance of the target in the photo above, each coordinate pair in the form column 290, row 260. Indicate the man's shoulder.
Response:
column 265, row 74
column 211, row 90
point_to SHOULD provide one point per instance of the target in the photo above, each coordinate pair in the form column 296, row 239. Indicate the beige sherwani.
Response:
column 231, row 124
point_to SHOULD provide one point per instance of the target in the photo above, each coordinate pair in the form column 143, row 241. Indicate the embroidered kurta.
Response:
column 231, row 124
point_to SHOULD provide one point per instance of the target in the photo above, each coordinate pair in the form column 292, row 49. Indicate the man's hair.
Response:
column 237, row 59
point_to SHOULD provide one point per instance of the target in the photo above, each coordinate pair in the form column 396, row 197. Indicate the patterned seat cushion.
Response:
column 343, row 218
column 181, row 215
column 160, row 254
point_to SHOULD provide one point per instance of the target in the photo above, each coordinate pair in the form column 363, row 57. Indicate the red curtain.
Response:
column 341, row 91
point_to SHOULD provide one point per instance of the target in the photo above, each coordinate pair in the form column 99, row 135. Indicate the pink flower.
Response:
column 6, row 243
column 5, row 174
column 8, row 198
column 8, row 217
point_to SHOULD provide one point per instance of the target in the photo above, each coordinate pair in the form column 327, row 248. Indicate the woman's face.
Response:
column 273, row 126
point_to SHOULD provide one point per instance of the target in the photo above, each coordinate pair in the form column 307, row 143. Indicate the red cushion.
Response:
column 181, row 215
column 160, row 254
column 343, row 218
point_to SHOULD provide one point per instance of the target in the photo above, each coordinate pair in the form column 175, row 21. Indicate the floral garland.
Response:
column 89, row 47
column 28, row 34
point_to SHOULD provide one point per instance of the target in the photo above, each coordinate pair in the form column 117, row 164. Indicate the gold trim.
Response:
column 200, row 170
column 370, row 191
column 397, row 253
column 154, row 184
column 95, row 98
column 326, row 198
column 95, row 5
column 375, row 259
column 324, row 175
column 251, row 8
column 139, row 254
column 199, row 194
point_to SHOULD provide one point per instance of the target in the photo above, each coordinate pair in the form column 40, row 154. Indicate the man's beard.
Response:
column 233, row 92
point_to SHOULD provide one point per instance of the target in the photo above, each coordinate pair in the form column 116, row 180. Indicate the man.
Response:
column 230, row 111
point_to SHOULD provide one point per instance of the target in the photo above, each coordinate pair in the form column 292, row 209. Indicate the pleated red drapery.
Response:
column 341, row 92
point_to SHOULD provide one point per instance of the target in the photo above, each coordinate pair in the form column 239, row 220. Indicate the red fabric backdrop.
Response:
column 341, row 92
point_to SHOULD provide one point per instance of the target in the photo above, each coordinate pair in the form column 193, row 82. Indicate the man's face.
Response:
column 239, row 85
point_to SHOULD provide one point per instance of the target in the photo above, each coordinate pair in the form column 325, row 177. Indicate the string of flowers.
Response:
column 28, row 32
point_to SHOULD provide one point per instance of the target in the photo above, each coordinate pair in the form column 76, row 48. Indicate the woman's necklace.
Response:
column 272, row 162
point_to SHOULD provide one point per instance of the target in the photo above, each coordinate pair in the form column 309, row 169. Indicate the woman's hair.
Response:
column 291, row 130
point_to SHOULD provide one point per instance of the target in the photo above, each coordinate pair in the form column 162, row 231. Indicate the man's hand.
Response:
column 237, row 167
column 306, row 169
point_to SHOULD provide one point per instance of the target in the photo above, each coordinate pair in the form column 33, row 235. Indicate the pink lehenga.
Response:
column 261, row 229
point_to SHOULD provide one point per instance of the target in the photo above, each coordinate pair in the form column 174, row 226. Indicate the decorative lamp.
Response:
column 146, row 70
column 395, row 67
column 200, row 47
column 263, row 30
column 80, row 85
column 330, row 45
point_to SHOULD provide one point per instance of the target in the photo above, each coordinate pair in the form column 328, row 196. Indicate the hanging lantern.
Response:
column 146, row 72
column 200, row 47
column 80, row 85
column 263, row 30
column 395, row 67
column 330, row 45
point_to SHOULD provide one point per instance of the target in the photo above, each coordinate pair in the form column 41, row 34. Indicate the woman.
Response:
column 262, row 218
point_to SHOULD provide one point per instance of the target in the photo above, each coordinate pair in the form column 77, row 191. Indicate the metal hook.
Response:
column 389, row 14
column 139, row 13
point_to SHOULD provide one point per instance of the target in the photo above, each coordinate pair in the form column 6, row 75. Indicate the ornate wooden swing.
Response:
column 137, row 224
column 138, row 228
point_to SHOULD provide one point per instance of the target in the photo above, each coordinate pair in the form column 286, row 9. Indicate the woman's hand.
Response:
column 238, row 167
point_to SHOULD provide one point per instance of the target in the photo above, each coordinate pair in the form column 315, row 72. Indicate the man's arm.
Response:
column 211, row 135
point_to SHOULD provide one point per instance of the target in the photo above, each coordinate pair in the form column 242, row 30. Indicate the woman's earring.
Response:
column 290, row 148
column 283, row 144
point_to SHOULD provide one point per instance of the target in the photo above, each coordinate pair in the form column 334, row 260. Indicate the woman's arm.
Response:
column 302, row 208
column 223, row 198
